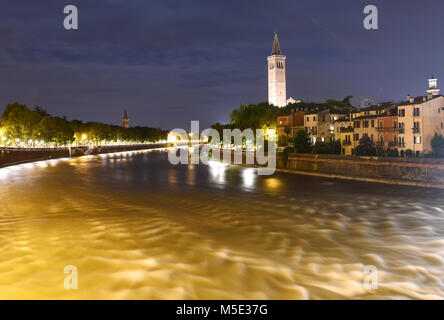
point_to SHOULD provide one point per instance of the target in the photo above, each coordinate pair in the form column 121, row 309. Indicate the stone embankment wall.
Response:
column 422, row 172
column 404, row 171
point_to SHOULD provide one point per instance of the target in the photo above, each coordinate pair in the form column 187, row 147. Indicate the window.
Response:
column 371, row 136
column 401, row 113
column 356, row 136
column 365, row 124
column 441, row 125
column 439, row 110
column 314, row 118
column 373, row 123
column 357, row 124
column 416, row 127
column 417, row 140
column 308, row 119
column 416, row 112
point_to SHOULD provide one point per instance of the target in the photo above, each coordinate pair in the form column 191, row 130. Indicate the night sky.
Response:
column 169, row 62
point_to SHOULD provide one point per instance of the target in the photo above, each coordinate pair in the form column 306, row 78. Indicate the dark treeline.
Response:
column 20, row 126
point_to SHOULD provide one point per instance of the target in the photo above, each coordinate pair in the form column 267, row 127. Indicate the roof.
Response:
column 373, row 116
column 276, row 50
column 317, row 111
column 418, row 100
column 376, row 107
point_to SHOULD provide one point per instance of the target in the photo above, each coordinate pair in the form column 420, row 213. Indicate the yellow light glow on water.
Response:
column 273, row 183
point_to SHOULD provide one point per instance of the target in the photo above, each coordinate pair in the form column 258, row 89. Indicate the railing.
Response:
column 346, row 143
column 416, row 130
column 401, row 130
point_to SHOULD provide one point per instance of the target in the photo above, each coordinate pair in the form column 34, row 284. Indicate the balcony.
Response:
column 401, row 130
column 346, row 143
column 386, row 129
column 416, row 130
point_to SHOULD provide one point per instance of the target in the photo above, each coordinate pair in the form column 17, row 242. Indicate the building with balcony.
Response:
column 419, row 118
column 387, row 129
column 348, row 144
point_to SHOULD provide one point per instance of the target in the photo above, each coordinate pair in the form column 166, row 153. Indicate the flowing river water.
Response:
column 136, row 227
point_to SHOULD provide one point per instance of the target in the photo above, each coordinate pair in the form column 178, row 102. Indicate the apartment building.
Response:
column 388, row 129
column 418, row 120
column 318, row 126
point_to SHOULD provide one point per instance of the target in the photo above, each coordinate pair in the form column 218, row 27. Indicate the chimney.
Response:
column 408, row 97
column 411, row 100
column 424, row 99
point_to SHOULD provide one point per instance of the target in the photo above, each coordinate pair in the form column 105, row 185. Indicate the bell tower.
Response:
column 277, row 83
column 125, row 121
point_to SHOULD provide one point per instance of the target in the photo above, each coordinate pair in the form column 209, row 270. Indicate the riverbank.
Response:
column 421, row 172
column 9, row 157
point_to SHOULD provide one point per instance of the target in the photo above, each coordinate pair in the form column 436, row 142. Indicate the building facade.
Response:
column 318, row 126
column 277, row 83
column 290, row 123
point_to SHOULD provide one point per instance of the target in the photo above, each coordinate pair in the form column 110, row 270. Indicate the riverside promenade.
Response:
column 12, row 156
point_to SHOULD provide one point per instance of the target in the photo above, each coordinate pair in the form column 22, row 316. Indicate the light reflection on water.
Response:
column 137, row 227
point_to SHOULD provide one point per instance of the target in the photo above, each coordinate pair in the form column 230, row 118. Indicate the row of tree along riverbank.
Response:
column 11, row 156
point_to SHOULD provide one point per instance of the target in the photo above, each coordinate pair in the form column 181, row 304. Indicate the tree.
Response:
column 331, row 147
column 301, row 142
column 56, row 130
column 20, row 123
column 366, row 147
column 287, row 130
column 437, row 144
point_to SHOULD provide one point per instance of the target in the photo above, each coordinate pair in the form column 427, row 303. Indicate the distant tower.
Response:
column 125, row 121
column 277, row 84
column 433, row 87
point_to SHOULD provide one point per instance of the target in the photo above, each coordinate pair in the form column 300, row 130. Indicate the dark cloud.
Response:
column 169, row 62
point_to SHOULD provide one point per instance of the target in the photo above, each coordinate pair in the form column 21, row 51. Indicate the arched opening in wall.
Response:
column 417, row 154
column 402, row 153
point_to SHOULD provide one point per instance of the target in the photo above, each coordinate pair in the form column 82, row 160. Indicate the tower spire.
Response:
column 125, row 121
column 276, row 50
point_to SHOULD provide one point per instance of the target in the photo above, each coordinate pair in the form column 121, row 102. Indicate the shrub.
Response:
column 409, row 153
column 366, row 147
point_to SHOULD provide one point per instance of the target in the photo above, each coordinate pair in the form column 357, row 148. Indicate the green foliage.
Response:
column 330, row 147
column 18, row 122
column 283, row 141
column 287, row 130
column 301, row 142
column 437, row 144
column 56, row 130
column 409, row 153
column 366, row 147
column 255, row 116
column 285, row 156
column 264, row 115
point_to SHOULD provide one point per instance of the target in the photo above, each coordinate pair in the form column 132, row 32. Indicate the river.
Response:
column 136, row 227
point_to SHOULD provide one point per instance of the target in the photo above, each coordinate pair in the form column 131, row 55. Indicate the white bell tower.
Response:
column 277, row 84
